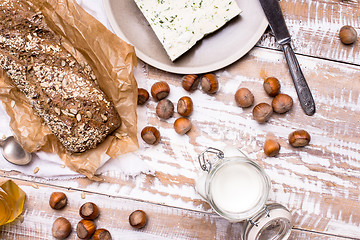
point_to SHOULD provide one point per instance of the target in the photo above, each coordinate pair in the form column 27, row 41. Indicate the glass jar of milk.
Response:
column 237, row 189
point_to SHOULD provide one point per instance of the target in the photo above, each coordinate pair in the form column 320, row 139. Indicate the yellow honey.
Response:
column 12, row 200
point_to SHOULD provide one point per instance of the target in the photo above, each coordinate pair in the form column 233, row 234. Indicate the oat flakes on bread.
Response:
column 62, row 92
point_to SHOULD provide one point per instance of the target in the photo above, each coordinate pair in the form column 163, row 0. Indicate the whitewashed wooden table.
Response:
column 319, row 184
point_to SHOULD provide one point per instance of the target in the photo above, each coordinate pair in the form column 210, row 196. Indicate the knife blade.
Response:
column 277, row 24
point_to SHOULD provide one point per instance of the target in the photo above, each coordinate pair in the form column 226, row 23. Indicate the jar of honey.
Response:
column 237, row 188
column 12, row 200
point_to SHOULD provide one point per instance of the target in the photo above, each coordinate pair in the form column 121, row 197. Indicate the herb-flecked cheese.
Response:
column 179, row 24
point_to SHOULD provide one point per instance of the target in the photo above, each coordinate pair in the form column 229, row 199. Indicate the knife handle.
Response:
column 303, row 91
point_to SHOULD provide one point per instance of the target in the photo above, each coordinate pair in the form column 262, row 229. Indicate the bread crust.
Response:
column 61, row 91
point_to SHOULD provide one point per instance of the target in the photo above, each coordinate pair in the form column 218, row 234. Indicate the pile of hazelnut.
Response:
column 165, row 108
column 86, row 228
column 262, row 112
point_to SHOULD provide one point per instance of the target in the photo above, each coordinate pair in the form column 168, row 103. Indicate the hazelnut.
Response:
column 244, row 98
column 160, row 90
column 143, row 96
column 102, row 234
column 282, row 103
column 89, row 211
column 150, row 135
column 138, row 219
column 262, row 112
column 272, row 86
column 190, row 82
column 61, row 228
column 185, row 106
column 209, row 83
column 85, row 229
column 271, row 148
column 299, row 138
column 182, row 125
column 58, row 200
column 347, row 34
column 165, row 109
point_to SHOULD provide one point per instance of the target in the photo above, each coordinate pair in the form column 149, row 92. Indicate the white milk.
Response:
column 236, row 187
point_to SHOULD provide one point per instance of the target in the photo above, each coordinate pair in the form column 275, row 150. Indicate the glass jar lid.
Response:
column 272, row 223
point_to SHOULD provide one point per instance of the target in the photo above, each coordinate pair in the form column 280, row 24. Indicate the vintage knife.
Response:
column 276, row 20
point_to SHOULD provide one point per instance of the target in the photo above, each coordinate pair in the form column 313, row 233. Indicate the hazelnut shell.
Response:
column 58, row 200
column 185, row 106
column 282, row 103
column 244, row 98
column 165, row 109
column 209, row 83
column 299, row 138
column 348, row 34
column 89, row 211
column 160, row 90
column 190, row 82
column 143, row 96
column 85, row 229
column 182, row 125
column 61, row 228
column 272, row 86
column 150, row 135
column 138, row 219
column 262, row 112
column 102, row 234
column 271, row 148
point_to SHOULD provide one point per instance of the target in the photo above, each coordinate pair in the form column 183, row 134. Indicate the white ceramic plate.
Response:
column 215, row 51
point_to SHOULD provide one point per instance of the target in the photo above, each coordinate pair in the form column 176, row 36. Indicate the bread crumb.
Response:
column 83, row 195
column 62, row 166
column 35, row 186
column 36, row 169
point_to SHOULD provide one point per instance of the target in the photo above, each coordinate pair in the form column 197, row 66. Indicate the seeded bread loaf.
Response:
column 62, row 92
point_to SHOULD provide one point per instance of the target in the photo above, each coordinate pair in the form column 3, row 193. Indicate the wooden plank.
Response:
column 314, row 26
column 319, row 184
column 297, row 234
column 315, row 182
column 163, row 222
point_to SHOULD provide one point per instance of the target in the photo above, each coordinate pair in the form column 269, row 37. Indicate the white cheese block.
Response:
column 179, row 24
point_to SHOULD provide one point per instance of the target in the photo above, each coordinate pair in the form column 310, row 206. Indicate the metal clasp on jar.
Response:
column 274, row 221
column 267, row 214
column 204, row 161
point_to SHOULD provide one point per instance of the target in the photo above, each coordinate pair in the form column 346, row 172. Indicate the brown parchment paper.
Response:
column 112, row 61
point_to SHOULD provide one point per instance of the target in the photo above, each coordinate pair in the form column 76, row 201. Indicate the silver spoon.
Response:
column 13, row 152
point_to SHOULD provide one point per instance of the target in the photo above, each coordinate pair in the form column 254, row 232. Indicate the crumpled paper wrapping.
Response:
column 112, row 61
